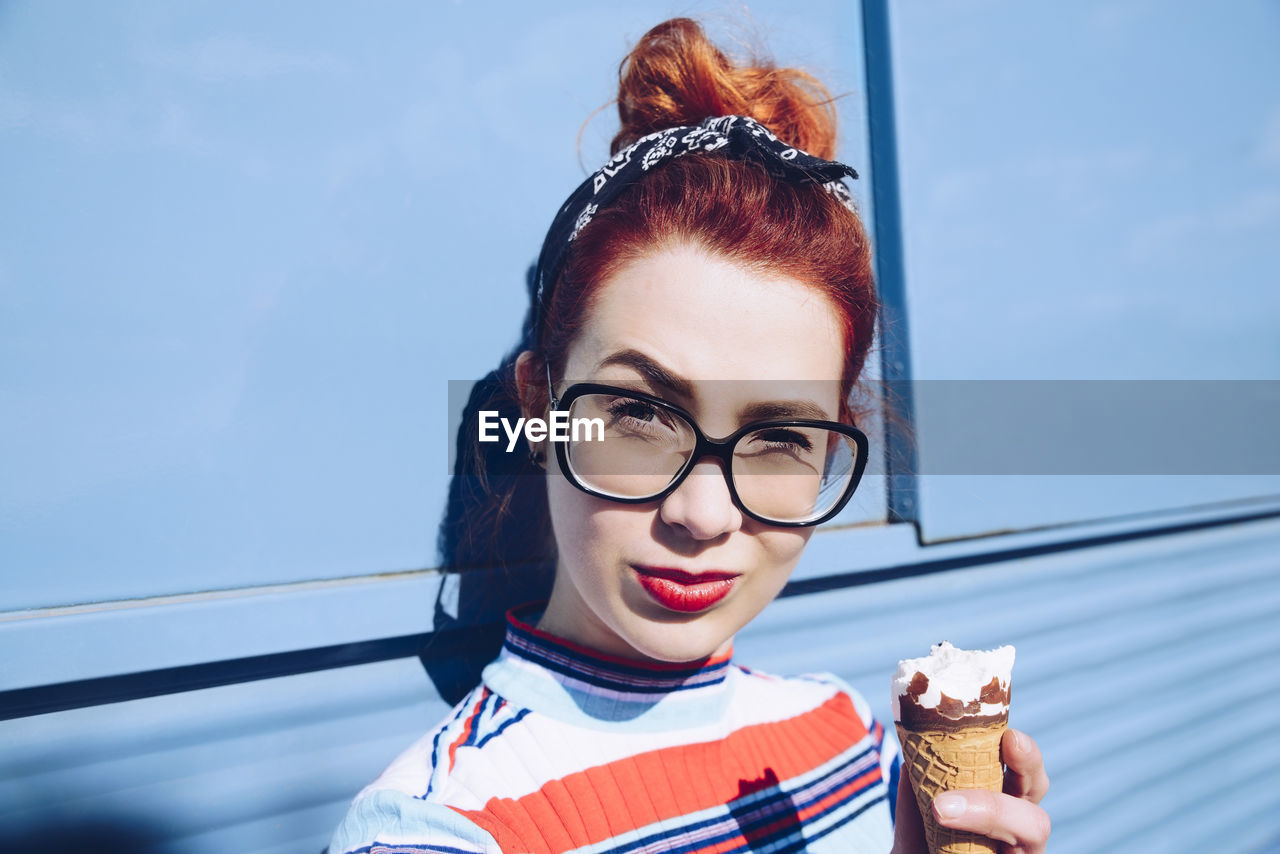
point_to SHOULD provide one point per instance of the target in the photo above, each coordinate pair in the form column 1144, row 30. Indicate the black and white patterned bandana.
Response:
column 736, row 137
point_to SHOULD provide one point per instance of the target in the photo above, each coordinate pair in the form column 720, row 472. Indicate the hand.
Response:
column 1014, row 818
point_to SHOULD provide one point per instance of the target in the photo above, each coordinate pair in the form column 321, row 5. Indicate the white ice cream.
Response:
column 961, row 674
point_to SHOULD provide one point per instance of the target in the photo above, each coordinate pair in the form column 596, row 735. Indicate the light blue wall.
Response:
column 245, row 248
column 1089, row 191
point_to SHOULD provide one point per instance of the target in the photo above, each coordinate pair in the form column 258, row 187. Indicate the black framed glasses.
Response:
column 628, row 446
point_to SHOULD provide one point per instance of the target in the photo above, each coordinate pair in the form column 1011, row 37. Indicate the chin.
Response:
column 676, row 642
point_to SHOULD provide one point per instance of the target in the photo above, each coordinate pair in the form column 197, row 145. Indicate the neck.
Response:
column 569, row 617
column 570, row 682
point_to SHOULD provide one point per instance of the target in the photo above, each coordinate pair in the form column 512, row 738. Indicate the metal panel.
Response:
column 1069, row 181
column 86, row 642
column 257, row 767
column 1146, row 671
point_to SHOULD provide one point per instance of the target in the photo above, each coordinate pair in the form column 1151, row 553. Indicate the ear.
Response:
column 531, row 385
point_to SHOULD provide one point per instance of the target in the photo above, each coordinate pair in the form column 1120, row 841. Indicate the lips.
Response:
column 686, row 592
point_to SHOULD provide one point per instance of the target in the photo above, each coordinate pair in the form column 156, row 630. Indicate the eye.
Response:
column 630, row 409
column 782, row 439
column 628, row 415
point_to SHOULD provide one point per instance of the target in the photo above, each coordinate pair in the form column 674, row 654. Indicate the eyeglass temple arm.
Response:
column 551, row 392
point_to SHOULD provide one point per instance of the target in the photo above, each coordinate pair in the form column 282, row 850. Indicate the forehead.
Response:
column 707, row 318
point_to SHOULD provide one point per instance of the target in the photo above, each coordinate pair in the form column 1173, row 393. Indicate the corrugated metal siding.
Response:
column 265, row 766
column 1144, row 671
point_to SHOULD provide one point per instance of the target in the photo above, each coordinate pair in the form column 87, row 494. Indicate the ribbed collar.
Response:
column 576, row 684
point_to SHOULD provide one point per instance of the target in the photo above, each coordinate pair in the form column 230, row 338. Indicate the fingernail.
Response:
column 1019, row 742
column 949, row 805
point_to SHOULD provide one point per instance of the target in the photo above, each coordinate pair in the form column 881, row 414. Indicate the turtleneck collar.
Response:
column 576, row 684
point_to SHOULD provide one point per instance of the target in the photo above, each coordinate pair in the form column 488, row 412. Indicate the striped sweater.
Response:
column 563, row 749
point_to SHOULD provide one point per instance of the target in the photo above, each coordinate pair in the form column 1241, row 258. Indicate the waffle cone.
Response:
column 938, row 760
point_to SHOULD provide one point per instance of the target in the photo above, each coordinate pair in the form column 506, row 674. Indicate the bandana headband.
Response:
column 736, row 137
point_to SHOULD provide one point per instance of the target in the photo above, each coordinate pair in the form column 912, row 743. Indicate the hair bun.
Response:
column 676, row 76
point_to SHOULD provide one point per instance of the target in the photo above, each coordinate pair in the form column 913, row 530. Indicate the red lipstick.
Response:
column 682, row 591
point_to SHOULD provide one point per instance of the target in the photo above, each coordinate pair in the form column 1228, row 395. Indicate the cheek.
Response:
column 593, row 534
column 783, row 548
column 589, row 531
column 567, row 515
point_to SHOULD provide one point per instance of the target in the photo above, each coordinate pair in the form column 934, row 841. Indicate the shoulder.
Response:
column 808, row 691
column 860, row 705
column 414, row 799
column 824, row 701
column 413, row 770
column 385, row 819
column 881, row 742
column 821, row 717
column 423, row 770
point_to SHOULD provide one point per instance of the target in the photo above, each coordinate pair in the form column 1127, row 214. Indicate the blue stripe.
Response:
column 411, row 847
column 435, row 750
column 761, row 815
column 797, row 830
column 645, row 674
column 623, row 687
column 801, row 798
column 846, row 819
column 497, row 732
column 491, row 700
column 894, row 771
column 638, row 679
column 800, row 842
column 435, row 743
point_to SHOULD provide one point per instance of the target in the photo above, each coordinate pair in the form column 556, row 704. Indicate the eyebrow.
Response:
column 786, row 409
column 660, row 377
column 655, row 374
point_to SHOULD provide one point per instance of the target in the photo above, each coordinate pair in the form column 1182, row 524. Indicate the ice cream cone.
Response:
column 951, row 709
column 963, row 758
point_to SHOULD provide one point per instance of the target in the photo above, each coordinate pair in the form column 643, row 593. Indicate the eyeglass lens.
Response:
column 784, row 474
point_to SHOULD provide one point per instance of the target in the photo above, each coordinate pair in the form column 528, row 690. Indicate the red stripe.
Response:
column 467, row 727
column 796, row 819
column 841, row 794
column 590, row 806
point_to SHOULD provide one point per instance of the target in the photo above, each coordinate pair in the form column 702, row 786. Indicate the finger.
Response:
column 1025, row 776
column 1008, row 819
column 908, row 826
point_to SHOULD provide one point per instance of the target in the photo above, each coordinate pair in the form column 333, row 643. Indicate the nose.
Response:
column 702, row 504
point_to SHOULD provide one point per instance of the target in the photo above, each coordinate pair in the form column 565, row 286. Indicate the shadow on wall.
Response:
column 470, row 623
column 495, row 535
column 113, row 834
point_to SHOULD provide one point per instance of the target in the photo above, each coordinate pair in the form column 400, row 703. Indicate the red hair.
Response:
column 675, row 76
column 497, row 513
column 731, row 208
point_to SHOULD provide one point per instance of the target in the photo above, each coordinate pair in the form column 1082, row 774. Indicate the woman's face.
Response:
column 736, row 339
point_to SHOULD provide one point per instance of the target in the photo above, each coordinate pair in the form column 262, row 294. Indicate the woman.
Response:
column 706, row 299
